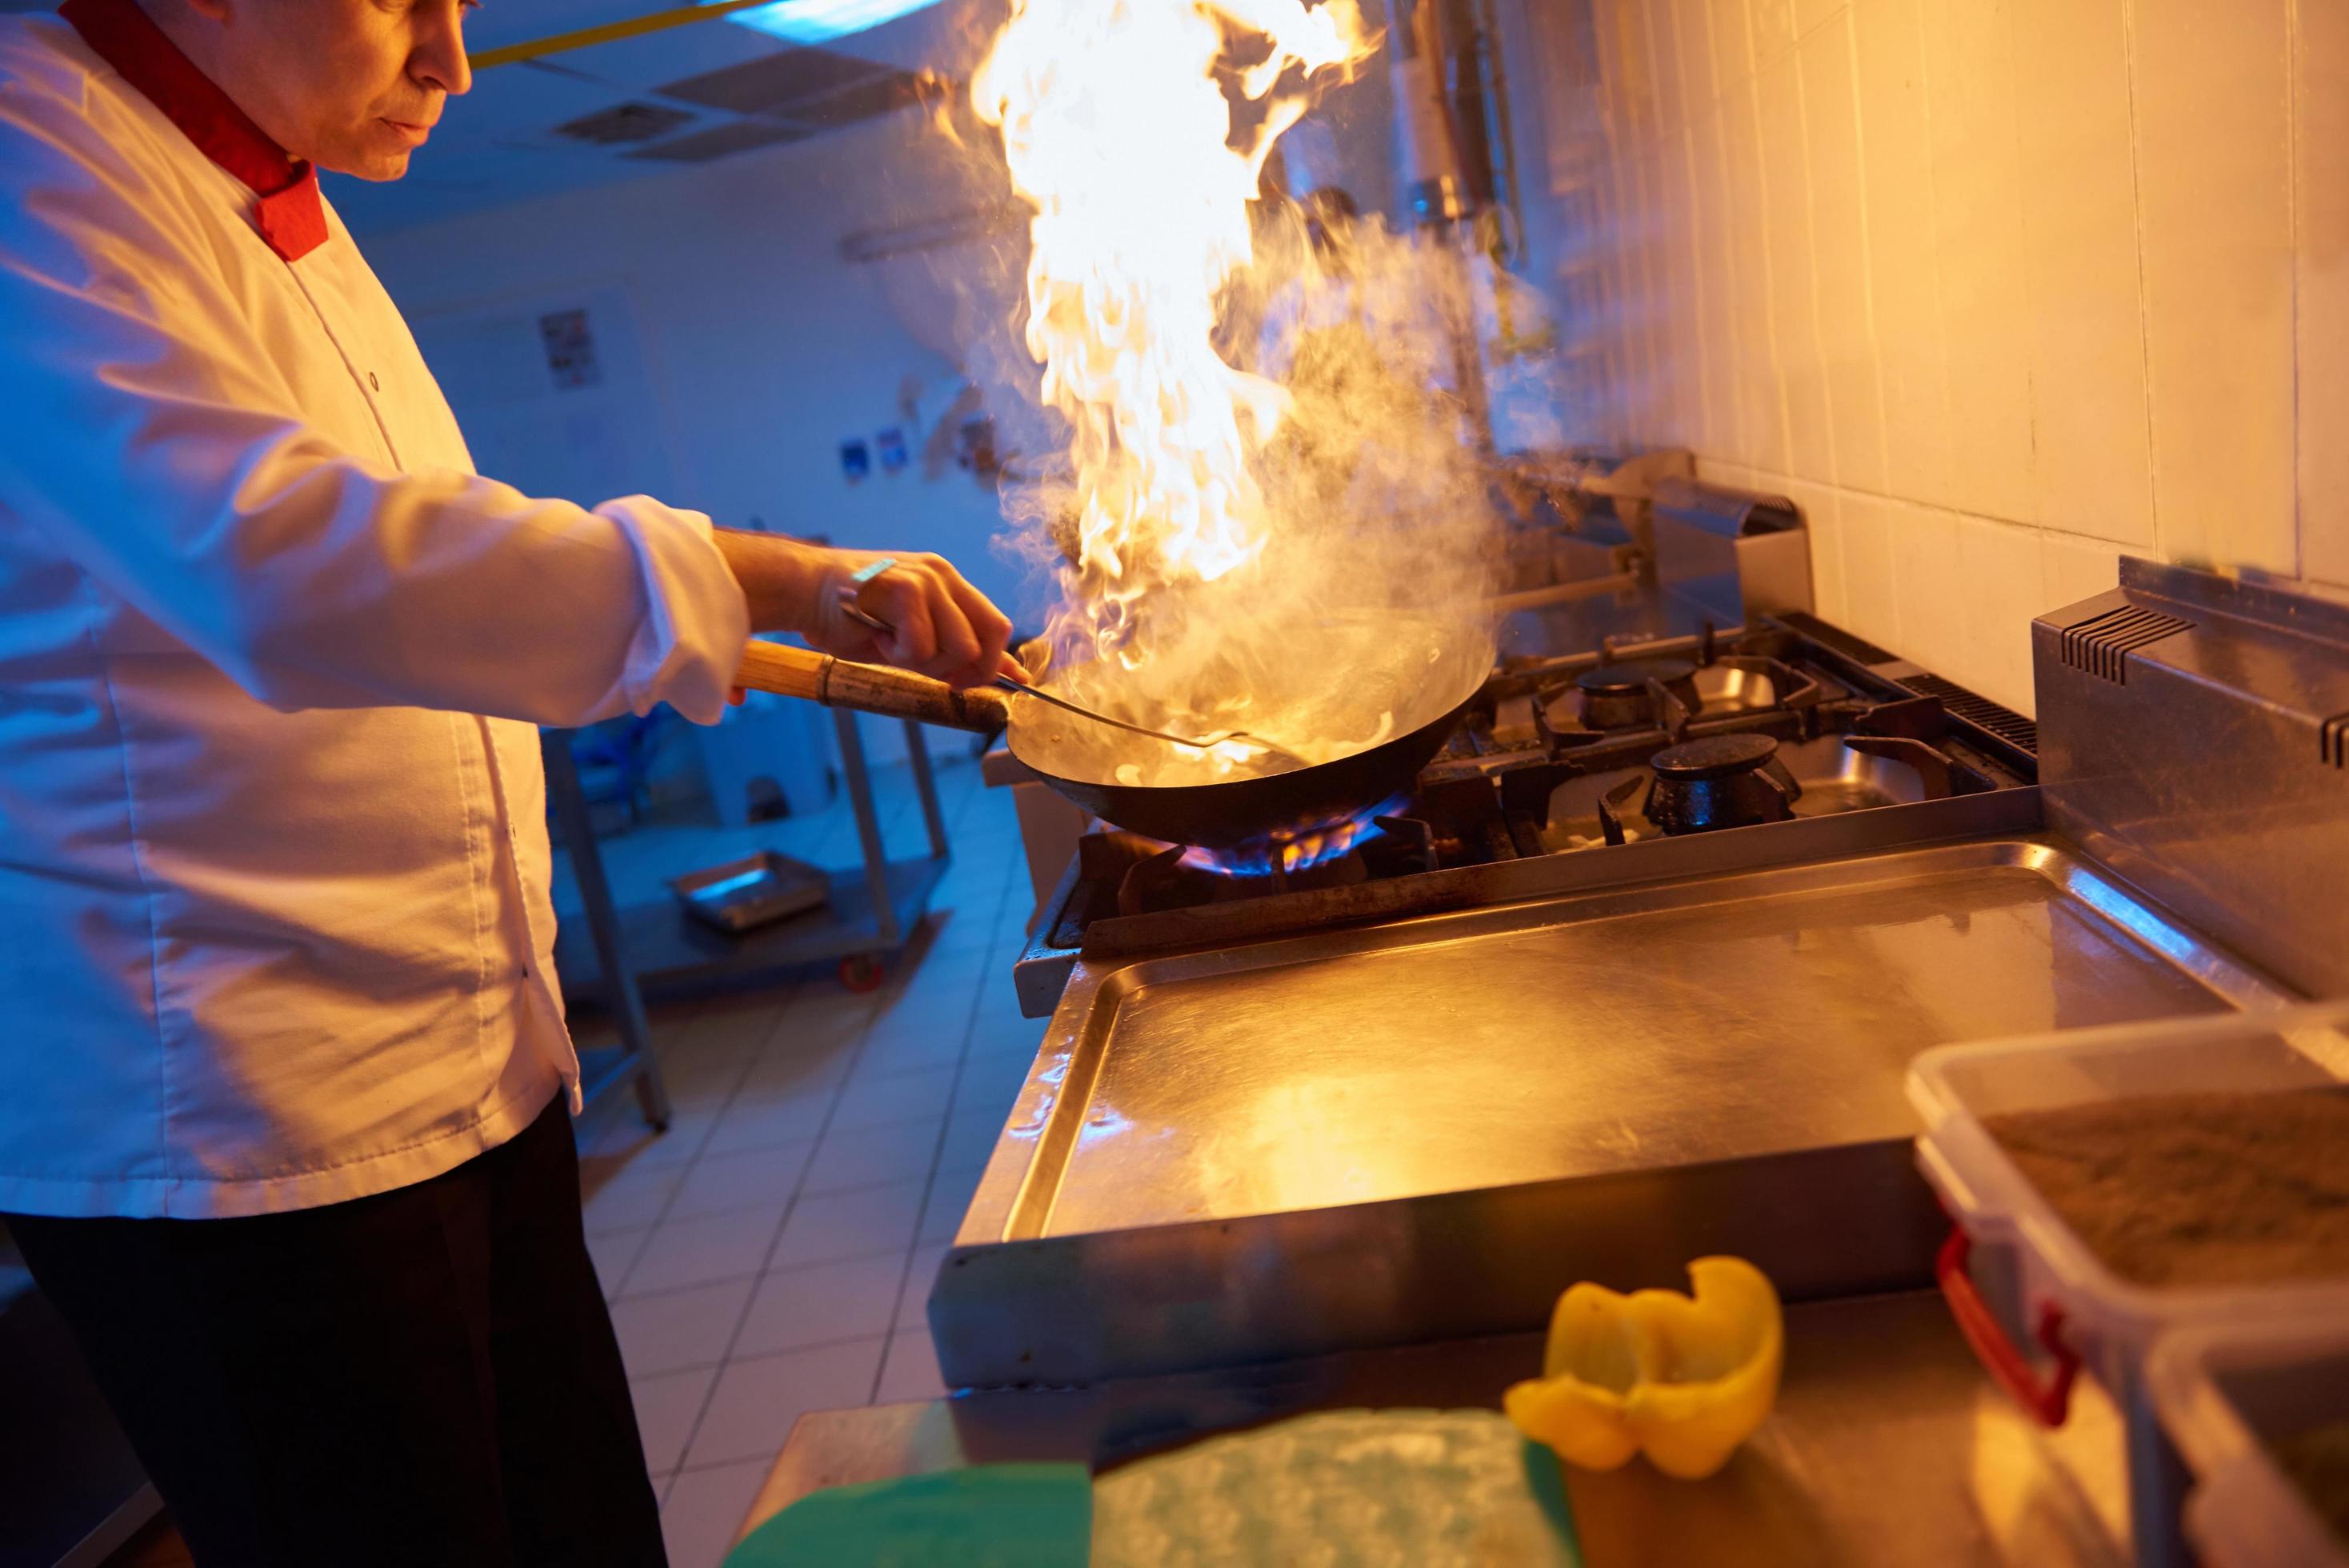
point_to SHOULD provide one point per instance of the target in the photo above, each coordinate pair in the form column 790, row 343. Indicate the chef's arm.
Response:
column 160, row 452
column 154, row 443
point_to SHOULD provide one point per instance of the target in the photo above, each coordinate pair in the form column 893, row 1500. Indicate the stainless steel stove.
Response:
column 1634, row 975
column 1582, row 754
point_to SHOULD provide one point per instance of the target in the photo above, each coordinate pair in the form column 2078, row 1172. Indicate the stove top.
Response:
column 1587, row 755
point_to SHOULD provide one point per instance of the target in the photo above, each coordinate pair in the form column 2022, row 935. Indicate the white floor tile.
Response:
column 921, row 1274
column 757, row 1399
column 971, row 1140
column 754, row 1178
column 706, row 1250
column 705, row 1510
column 666, row 1408
column 990, row 1084
column 910, row 1371
column 736, row 1023
column 851, row 1224
column 964, row 928
column 680, row 1328
column 624, row 1195
column 614, row 1253
column 849, row 1158
column 626, row 1136
column 1003, row 1031
column 901, row 1096
column 822, row 1304
column 949, row 1198
column 703, row 1085
column 787, row 1071
column 763, row 1122
column 929, row 1038
column 821, row 1028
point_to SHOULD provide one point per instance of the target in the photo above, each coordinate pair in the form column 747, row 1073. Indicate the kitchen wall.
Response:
column 758, row 347
column 1996, row 289
column 737, row 347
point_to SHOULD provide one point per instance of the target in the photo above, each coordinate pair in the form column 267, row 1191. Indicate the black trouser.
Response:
column 423, row 1376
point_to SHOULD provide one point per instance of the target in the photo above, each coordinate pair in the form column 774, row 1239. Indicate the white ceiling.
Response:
column 498, row 144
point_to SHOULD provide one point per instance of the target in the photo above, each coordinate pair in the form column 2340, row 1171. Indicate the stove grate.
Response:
column 2003, row 722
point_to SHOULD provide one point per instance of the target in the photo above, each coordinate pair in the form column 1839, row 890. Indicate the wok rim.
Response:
column 1233, row 797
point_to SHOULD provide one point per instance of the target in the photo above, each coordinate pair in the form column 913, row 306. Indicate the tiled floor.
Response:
column 771, row 1252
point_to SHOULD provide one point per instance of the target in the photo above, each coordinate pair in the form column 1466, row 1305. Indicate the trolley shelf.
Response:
column 668, row 948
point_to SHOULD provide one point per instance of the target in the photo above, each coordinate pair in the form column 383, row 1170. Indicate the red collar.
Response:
column 287, row 211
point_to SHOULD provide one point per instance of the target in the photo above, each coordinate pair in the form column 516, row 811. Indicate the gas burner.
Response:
column 1291, row 854
column 1720, row 781
column 1616, row 695
column 1176, row 878
column 1604, row 753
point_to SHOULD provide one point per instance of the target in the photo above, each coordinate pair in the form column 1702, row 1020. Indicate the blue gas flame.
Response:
column 1294, row 852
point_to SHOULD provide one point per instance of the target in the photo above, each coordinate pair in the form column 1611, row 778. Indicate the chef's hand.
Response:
column 944, row 627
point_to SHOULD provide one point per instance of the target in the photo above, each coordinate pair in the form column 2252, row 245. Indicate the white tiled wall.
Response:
column 1995, row 289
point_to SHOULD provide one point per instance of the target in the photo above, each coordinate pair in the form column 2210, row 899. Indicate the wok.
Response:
column 1226, row 814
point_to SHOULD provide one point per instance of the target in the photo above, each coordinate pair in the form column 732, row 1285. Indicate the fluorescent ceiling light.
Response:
column 819, row 21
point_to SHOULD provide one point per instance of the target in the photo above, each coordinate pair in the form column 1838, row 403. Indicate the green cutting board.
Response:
column 984, row 1516
column 1344, row 1488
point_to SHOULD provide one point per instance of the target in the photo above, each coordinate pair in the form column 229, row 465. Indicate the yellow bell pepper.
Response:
column 1682, row 1378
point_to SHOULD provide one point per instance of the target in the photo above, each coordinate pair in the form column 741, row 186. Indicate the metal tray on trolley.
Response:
column 758, row 890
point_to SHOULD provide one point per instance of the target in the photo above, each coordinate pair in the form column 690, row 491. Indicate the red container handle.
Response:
column 2049, row 1401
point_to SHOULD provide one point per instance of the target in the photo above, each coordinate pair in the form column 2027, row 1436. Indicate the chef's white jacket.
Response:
column 275, row 924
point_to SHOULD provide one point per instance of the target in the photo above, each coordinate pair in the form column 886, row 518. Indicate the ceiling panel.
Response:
column 720, row 141
column 499, row 145
column 882, row 94
column 687, row 51
column 627, row 124
column 776, row 83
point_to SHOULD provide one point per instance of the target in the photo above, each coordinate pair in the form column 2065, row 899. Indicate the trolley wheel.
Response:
column 860, row 971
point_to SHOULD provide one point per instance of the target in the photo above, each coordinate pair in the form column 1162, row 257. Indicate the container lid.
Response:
column 1954, row 1088
column 2222, row 1393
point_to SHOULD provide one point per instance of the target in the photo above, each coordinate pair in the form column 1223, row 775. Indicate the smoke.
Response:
column 1264, row 507
column 1375, row 560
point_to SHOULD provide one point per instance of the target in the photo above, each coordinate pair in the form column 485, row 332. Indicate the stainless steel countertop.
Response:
column 1886, row 1446
column 1714, row 1021
column 1425, row 1129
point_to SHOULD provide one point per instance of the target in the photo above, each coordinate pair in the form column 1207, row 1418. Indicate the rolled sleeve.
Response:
column 688, row 643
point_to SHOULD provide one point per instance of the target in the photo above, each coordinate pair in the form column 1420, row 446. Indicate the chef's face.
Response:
column 354, row 86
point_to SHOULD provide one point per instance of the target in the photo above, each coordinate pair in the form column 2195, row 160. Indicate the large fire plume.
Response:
column 1224, row 492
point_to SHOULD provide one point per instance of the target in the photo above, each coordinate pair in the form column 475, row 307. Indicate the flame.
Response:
column 1286, row 853
column 1118, row 130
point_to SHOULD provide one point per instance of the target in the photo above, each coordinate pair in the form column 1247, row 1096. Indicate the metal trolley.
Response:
column 870, row 915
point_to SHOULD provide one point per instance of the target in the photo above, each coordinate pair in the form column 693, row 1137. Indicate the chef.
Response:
column 285, row 1082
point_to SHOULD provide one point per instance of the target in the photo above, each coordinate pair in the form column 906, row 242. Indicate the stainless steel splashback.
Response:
column 2194, row 737
column 1739, row 554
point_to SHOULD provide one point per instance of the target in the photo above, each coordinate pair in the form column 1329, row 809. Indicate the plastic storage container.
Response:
column 2222, row 1395
column 2011, row 1269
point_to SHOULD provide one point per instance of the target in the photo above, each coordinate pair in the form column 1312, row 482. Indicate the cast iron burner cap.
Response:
column 1714, row 756
column 1633, row 675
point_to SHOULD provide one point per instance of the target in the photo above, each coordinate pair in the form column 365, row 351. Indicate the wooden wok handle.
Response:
column 869, row 688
